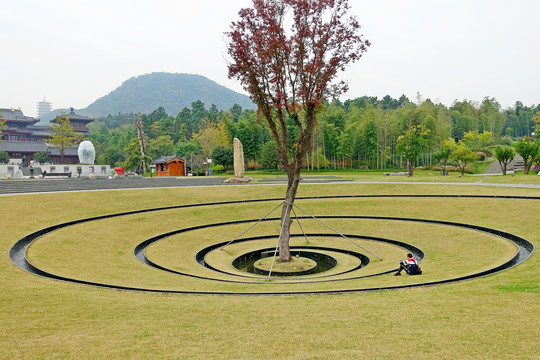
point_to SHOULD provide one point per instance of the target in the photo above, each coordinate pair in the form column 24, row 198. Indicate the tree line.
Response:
column 366, row 132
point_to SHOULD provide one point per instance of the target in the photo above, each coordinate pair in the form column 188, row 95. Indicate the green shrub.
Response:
column 42, row 157
column 269, row 156
column 469, row 169
column 218, row 168
column 4, row 157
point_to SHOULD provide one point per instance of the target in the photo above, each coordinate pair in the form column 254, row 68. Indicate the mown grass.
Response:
column 419, row 175
column 487, row 318
column 481, row 166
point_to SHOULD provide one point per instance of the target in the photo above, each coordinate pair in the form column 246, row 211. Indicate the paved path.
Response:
column 9, row 187
column 59, row 185
column 13, row 187
column 495, row 168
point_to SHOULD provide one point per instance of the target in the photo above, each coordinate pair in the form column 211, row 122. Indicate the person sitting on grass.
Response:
column 410, row 266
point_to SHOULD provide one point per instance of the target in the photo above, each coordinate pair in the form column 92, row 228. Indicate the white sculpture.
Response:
column 86, row 152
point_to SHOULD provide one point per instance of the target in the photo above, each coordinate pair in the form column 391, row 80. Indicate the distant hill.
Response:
column 146, row 93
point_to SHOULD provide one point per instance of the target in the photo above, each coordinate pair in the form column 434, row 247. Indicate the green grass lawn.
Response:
column 420, row 175
column 481, row 166
column 486, row 318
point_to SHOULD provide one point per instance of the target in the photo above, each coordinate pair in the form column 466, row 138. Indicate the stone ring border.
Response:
column 17, row 252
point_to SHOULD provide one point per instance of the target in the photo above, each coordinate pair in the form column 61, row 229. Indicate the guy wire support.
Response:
column 301, row 228
column 337, row 232
column 249, row 228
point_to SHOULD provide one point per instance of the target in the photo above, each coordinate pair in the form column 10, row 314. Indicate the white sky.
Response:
column 73, row 52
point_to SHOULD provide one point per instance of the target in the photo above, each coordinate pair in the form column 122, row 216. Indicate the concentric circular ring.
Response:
column 18, row 251
column 141, row 248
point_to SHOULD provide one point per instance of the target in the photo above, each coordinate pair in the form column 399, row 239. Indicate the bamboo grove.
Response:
column 359, row 133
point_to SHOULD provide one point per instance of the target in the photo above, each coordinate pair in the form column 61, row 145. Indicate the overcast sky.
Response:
column 73, row 52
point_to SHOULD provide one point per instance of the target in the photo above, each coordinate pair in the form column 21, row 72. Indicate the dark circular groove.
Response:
column 17, row 252
column 315, row 262
column 364, row 260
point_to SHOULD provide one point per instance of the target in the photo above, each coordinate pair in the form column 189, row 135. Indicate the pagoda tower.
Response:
column 43, row 107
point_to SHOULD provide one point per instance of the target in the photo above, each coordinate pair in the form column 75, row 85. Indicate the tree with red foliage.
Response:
column 287, row 54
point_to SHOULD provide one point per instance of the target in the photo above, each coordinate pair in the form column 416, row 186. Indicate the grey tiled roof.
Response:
column 165, row 159
column 33, row 147
column 16, row 115
column 73, row 116
column 23, row 146
column 41, row 133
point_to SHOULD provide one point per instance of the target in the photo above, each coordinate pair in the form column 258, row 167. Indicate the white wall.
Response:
column 86, row 170
column 8, row 171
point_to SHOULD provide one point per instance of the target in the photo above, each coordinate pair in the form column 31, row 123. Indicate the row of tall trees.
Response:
column 363, row 132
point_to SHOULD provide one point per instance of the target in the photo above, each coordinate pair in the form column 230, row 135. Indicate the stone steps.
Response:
column 57, row 185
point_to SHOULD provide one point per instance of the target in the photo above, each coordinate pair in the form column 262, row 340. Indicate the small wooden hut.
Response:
column 170, row 166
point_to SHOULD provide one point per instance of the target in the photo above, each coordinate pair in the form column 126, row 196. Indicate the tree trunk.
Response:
column 526, row 166
column 318, row 165
column 286, row 221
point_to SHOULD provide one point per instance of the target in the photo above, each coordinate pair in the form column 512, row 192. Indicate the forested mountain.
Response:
column 173, row 92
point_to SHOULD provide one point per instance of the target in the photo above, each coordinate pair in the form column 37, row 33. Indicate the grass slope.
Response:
column 487, row 318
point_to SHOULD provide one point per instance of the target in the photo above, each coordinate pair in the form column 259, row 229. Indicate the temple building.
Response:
column 22, row 138
column 20, row 127
column 78, row 122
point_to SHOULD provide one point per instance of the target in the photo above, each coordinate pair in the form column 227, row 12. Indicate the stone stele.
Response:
column 238, row 164
column 238, row 159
